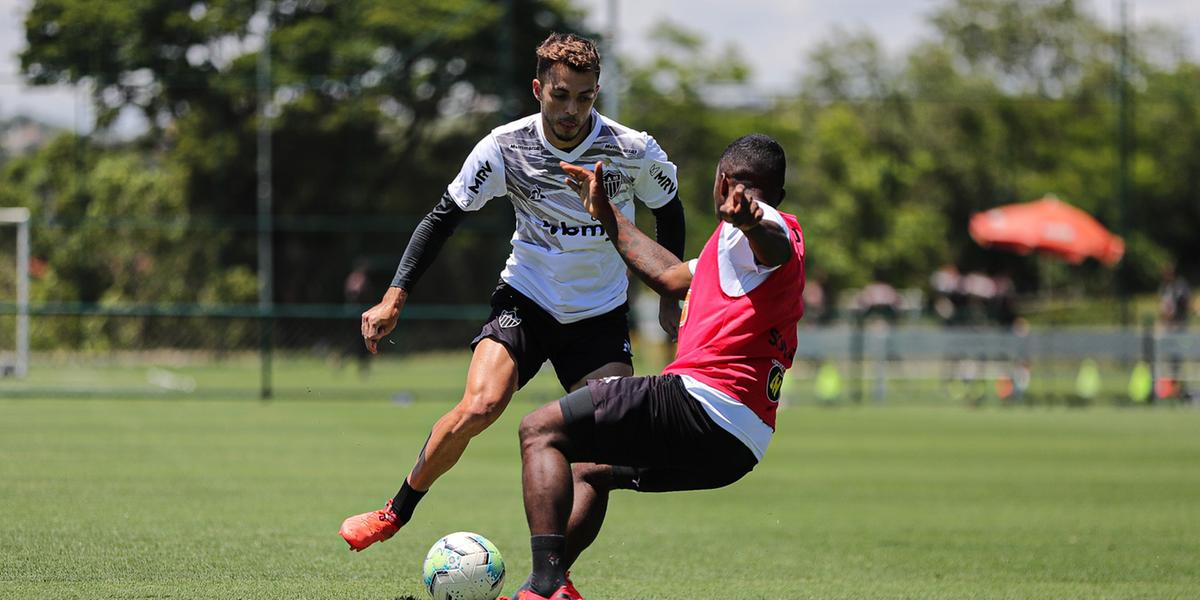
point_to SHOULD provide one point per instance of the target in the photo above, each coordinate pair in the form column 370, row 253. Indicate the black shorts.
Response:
column 653, row 430
column 532, row 335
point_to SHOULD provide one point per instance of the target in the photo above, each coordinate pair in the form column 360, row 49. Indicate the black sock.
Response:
column 405, row 502
column 548, row 572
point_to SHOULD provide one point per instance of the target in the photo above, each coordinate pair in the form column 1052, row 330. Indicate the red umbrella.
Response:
column 1047, row 225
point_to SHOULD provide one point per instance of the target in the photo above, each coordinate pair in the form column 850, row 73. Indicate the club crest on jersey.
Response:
column 775, row 381
column 612, row 183
column 508, row 319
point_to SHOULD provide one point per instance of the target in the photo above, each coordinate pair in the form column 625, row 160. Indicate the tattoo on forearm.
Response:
column 645, row 256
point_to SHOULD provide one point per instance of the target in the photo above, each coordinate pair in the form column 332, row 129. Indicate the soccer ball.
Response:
column 463, row 566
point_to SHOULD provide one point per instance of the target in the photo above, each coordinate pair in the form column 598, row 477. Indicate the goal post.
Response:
column 19, row 216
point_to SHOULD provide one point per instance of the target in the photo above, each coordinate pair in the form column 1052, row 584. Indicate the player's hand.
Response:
column 669, row 313
column 379, row 320
column 739, row 210
column 590, row 187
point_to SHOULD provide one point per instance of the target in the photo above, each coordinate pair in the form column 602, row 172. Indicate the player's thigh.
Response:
column 668, row 479
column 656, row 436
column 652, row 423
column 612, row 369
column 591, row 349
column 491, row 379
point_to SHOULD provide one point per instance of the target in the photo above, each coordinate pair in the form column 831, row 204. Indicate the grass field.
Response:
column 439, row 376
column 239, row 499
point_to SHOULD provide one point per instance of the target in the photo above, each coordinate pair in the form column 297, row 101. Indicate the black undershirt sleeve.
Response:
column 669, row 226
column 426, row 242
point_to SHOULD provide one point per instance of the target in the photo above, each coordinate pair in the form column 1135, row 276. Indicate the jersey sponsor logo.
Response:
column 626, row 152
column 525, row 146
column 775, row 381
column 612, row 183
column 508, row 319
column 561, row 228
column 775, row 339
column 480, row 176
column 664, row 181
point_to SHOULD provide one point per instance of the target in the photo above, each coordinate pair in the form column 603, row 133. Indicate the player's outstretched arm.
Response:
column 655, row 265
column 768, row 240
column 423, row 247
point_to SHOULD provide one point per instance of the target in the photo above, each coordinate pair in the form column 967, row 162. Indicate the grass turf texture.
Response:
column 224, row 499
column 439, row 376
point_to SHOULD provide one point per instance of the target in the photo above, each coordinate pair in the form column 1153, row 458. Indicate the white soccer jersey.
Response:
column 561, row 258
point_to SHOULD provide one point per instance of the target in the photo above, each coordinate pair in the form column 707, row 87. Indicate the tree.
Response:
column 113, row 229
column 369, row 97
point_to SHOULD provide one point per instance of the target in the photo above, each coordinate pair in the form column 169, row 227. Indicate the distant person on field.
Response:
column 978, row 291
column 1004, row 301
column 707, row 420
column 1174, row 300
column 356, row 292
column 1175, row 307
column 816, row 305
column 947, row 299
column 879, row 299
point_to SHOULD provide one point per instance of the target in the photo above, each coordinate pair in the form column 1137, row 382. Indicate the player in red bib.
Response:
column 708, row 419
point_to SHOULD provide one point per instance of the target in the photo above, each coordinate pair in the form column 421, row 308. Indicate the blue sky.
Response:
column 773, row 36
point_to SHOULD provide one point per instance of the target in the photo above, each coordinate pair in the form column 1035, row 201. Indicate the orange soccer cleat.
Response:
column 363, row 530
column 570, row 589
column 566, row 592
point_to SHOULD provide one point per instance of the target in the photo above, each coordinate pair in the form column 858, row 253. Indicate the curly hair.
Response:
column 578, row 53
column 755, row 158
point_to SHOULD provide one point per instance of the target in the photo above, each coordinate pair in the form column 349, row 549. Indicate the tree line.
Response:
column 375, row 103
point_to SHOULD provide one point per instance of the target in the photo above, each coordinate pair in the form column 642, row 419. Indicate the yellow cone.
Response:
column 1140, row 383
column 1087, row 383
column 829, row 383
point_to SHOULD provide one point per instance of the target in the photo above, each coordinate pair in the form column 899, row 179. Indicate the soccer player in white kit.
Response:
column 562, row 293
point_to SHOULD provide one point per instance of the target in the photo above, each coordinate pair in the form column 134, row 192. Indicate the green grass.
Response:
column 430, row 376
column 439, row 376
column 239, row 499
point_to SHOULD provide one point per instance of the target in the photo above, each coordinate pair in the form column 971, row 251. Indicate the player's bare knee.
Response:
column 530, row 430
column 477, row 412
column 537, row 430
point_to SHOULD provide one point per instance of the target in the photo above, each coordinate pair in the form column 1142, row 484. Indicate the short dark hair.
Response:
column 578, row 53
column 755, row 158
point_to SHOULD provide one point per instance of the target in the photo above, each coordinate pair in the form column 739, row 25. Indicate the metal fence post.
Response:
column 1148, row 356
column 856, row 356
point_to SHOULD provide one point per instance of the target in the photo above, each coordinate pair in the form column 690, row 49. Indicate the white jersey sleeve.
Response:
column 740, row 272
column 481, row 177
column 657, row 180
